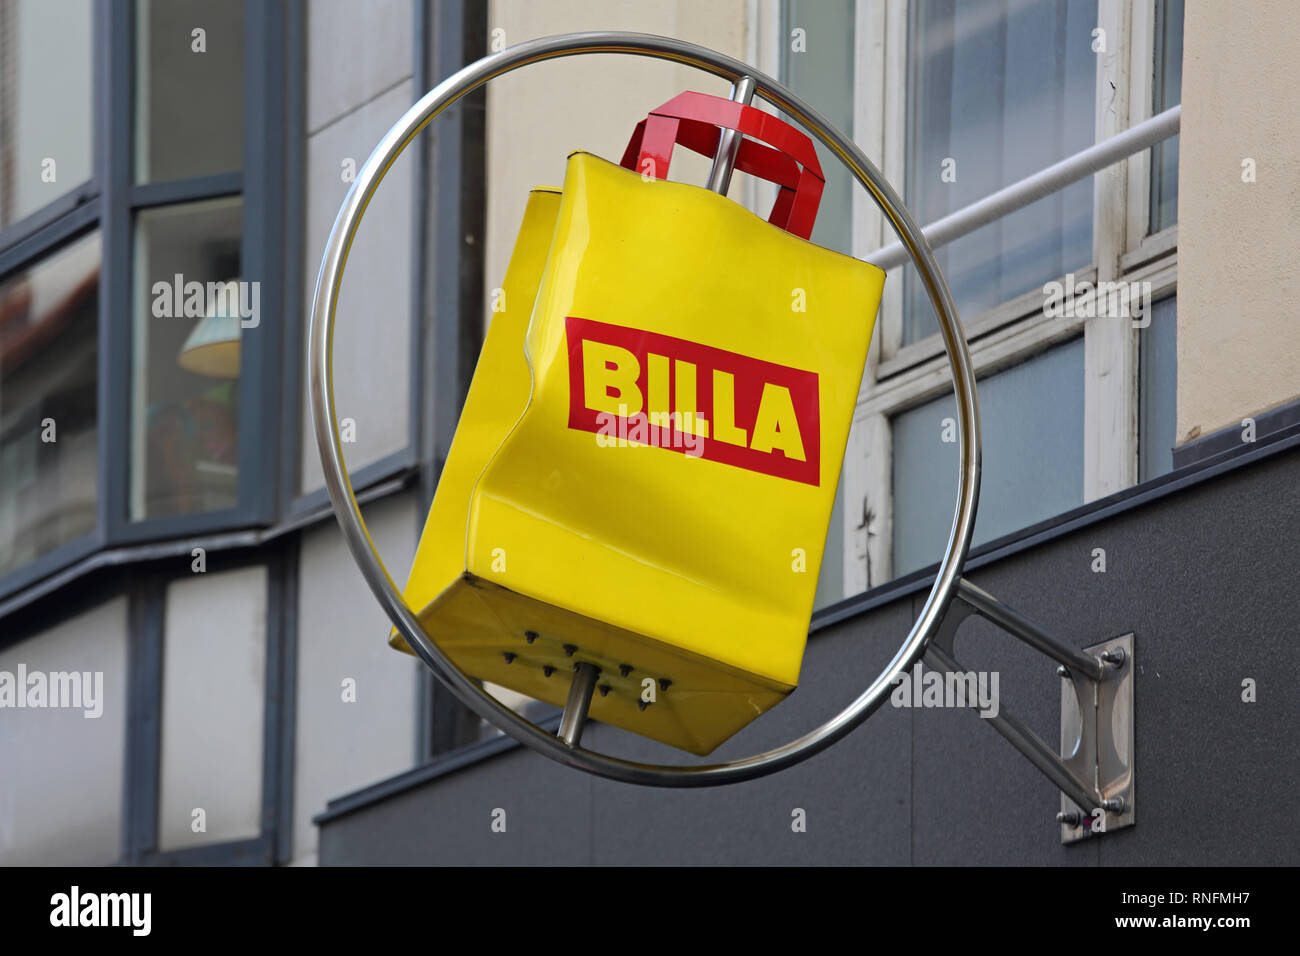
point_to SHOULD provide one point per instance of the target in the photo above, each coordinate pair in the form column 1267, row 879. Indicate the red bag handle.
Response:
column 693, row 120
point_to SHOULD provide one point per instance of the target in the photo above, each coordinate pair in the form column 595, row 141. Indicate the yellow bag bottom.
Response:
column 478, row 623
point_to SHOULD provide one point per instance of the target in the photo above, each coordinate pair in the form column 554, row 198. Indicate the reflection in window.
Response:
column 49, row 348
column 189, row 88
column 45, row 111
column 1031, row 419
column 191, row 311
column 1167, row 92
column 996, row 91
column 1158, row 390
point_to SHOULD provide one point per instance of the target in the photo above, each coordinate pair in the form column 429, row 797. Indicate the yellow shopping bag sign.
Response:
column 644, row 471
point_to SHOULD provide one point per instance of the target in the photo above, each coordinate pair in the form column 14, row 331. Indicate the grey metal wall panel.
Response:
column 547, row 813
column 855, row 797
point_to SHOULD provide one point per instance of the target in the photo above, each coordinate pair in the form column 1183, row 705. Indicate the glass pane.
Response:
column 997, row 90
column 49, row 354
column 46, row 60
column 1158, row 390
column 817, row 64
column 213, row 705
column 1167, row 91
column 1031, row 418
column 64, row 766
column 191, row 310
column 189, row 88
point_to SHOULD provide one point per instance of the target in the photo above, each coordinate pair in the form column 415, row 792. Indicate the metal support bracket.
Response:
column 1094, row 770
column 1097, row 735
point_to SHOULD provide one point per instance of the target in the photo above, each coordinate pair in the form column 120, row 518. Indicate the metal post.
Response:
column 575, row 709
column 986, row 605
column 724, row 161
column 1042, row 183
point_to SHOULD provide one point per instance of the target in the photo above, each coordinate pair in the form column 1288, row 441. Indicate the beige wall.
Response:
column 1238, row 243
column 540, row 114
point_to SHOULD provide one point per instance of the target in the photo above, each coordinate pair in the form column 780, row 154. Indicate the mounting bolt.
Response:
column 664, row 683
column 548, row 670
column 530, row 636
column 624, row 669
column 509, row 656
column 1114, row 656
column 1070, row 819
column 1113, row 805
column 604, row 689
column 1063, row 671
column 642, row 704
column 569, row 649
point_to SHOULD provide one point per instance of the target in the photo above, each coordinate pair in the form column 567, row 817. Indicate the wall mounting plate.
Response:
column 1097, row 741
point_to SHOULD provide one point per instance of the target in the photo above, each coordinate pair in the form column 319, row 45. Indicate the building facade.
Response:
column 169, row 176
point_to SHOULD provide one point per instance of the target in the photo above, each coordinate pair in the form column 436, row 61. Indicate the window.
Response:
column 955, row 101
column 1031, row 418
column 46, row 64
column 50, row 255
column 210, row 709
column 1167, row 91
column 189, row 303
column 213, row 708
column 1158, row 391
column 65, row 767
column 142, row 188
column 997, row 90
column 189, row 88
column 49, row 358
column 140, row 222
column 816, row 69
column 193, row 307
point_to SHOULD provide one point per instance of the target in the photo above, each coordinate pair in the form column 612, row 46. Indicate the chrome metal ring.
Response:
column 349, row 514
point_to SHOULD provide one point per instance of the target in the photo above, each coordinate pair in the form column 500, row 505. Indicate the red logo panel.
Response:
column 748, row 413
